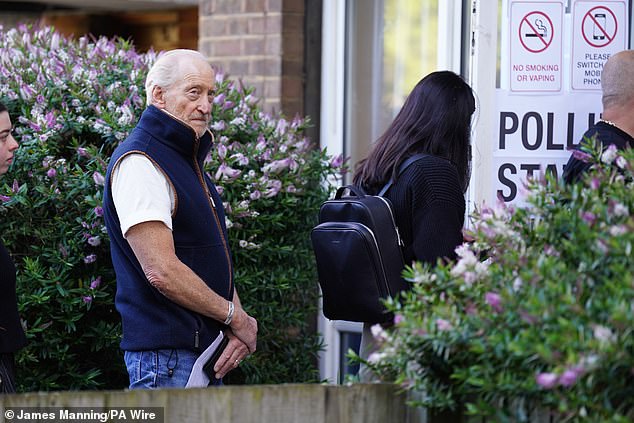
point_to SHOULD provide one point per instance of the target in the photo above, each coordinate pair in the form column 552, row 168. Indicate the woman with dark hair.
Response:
column 428, row 197
column 11, row 334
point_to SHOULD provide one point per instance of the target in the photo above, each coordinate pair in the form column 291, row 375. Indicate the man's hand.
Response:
column 245, row 328
column 234, row 353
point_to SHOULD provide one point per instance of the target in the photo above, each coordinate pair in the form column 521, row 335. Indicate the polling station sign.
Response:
column 535, row 44
column 539, row 119
column 534, row 137
column 599, row 31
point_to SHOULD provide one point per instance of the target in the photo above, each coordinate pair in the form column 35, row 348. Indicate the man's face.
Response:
column 8, row 144
column 190, row 98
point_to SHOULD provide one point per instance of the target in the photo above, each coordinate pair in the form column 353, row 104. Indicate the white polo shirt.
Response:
column 141, row 193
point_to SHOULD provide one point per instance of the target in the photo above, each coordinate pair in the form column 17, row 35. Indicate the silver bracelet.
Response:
column 230, row 314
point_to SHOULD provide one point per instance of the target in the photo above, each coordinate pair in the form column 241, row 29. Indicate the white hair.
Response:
column 164, row 72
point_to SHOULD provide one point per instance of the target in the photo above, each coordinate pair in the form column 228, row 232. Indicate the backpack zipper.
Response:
column 398, row 234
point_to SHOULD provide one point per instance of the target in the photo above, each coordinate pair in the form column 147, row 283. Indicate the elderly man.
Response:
column 616, row 125
column 165, row 219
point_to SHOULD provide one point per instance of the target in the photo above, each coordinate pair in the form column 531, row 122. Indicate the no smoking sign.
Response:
column 536, row 29
column 536, row 32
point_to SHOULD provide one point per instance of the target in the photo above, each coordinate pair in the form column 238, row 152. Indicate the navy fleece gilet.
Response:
column 150, row 320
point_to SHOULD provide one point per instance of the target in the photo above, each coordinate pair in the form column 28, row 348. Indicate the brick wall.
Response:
column 260, row 42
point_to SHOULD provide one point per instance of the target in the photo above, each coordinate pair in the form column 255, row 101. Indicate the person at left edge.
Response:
column 166, row 222
column 11, row 333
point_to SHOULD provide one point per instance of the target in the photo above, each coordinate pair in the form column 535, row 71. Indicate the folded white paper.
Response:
column 198, row 378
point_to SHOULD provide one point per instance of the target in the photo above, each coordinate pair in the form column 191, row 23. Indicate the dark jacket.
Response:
column 150, row 320
column 605, row 133
column 430, row 207
column 11, row 334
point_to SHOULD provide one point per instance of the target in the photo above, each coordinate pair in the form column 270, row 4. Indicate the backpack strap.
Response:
column 401, row 169
column 355, row 191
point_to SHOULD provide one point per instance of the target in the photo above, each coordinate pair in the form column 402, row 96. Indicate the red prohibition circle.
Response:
column 608, row 38
column 546, row 44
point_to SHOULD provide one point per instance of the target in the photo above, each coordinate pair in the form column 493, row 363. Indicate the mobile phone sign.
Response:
column 599, row 31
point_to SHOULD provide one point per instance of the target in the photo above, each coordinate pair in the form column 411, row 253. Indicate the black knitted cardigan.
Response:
column 429, row 206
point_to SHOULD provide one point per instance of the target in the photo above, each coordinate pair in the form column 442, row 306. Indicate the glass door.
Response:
column 374, row 52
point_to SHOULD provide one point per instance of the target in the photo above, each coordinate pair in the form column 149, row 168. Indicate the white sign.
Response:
column 599, row 31
column 536, row 34
column 534, row 137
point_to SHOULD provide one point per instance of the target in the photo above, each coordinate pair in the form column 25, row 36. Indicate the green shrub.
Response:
column 72, row 102
column 544, row 323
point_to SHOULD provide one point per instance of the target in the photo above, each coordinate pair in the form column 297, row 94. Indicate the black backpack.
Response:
column 359, row 255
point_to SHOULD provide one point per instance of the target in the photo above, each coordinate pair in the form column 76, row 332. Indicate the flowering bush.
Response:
column 545, row 322
column 72, row 102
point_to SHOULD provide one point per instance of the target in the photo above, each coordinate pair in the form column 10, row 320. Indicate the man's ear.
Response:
column 158, row 97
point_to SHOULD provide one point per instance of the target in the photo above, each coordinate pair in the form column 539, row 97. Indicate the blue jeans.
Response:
column 161, row 368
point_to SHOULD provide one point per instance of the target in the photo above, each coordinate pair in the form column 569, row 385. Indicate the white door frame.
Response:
column 333, row 126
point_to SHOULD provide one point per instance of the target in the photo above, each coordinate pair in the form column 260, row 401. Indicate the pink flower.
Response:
column 274, row 188
column 222, row 151
column 98, row 178
column 241, row 159
column 580, row 155
column 95, row 283
column 609, row 154
column 549, row 250
column 4, row 198
column 90, row 259
column 51, row 173
column 98, row 211
column 225, row 171
column 50, row 119
column 82, row 152
column 588, row 217
column 443, row 325
column 568, row 378
column 603, row 334
column 220, row 98
column 87, row 299
column 261, row 145
column 471, row 309
column 16, row 187
column 398, row 318
column 94, row 241
column 218, row 126
column 35, row 126
column 336, row 161
column 26, row 92
column 546, row 380
column 378, row 333
column 494, row 300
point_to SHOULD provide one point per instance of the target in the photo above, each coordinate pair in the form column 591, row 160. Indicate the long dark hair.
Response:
column 3, row 108
column 435, row 119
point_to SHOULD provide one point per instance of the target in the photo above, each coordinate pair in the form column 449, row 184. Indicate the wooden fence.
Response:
column 292, row 403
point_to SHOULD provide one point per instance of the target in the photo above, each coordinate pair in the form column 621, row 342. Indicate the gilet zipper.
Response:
column 212, row 204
